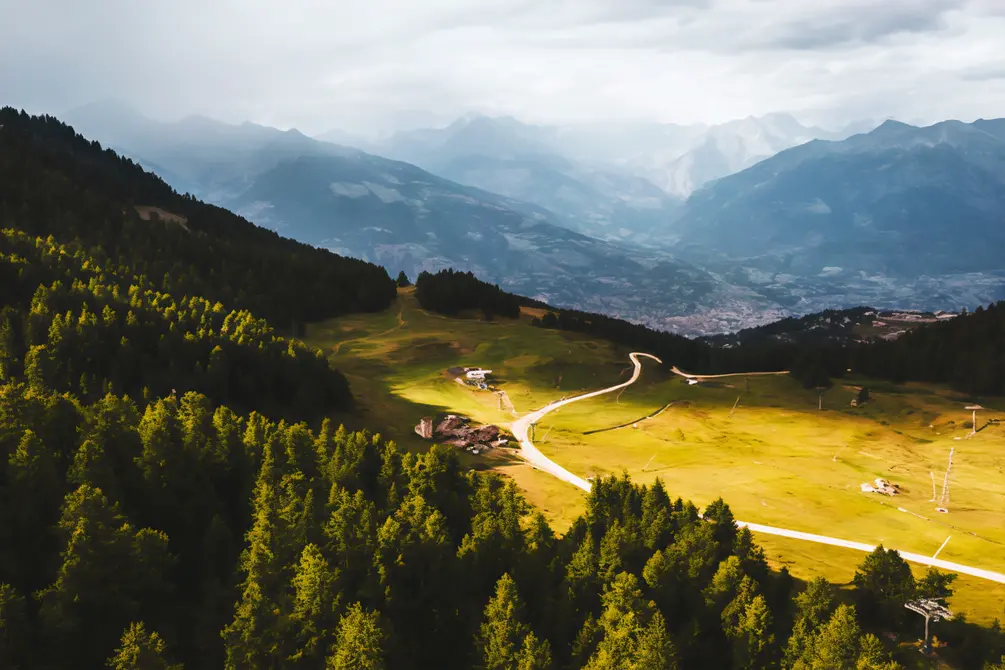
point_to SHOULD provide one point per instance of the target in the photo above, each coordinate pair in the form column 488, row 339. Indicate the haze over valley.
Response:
column 696, row 229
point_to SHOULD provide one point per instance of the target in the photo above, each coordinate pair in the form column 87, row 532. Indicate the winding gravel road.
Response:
column 530, row 453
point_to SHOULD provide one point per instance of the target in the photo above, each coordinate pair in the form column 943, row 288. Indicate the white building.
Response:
column 478, row 373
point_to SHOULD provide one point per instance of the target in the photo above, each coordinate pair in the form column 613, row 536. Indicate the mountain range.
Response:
column 614, row 181
column 405, row 218
column 896, row 217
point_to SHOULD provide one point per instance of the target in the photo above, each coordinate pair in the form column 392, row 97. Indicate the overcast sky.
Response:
column 367, row 64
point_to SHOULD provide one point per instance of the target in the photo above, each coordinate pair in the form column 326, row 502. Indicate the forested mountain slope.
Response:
column 54, row 182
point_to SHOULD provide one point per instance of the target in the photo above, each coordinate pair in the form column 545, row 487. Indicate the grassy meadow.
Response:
column 775, row 458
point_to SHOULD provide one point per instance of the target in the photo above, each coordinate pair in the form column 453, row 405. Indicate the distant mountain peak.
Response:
column 892, row 125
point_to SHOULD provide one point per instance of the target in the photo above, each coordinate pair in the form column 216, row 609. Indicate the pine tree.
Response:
column 350, row 540
column 33, row 483
column 110, row 574
column 13, row 628
column 813, row 608
column 415, row 564
column 254, row 639
column 655, row 648
column 752, row 638
column 624, row 625
column 503, row 638
column 10, row 350
column 141, row 650
column 936, row 584
column 836, row 645
column 402, row 280
column 883, row 583
column 657, row 519
column 872, row 655
column 314, row 605
column 359, row 642
column 535, row 654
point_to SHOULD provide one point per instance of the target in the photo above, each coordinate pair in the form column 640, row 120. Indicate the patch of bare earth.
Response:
column 148, row 213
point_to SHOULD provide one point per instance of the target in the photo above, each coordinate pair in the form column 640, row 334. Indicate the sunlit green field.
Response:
column 776, row 458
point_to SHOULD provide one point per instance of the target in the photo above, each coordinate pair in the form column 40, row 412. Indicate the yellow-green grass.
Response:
column 780, row 461
column 981, row 600
column 776, row 460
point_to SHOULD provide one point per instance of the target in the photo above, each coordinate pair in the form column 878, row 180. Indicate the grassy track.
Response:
column 777, row 460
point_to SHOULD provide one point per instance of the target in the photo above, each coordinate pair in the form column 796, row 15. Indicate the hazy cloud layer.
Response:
column 317, row 64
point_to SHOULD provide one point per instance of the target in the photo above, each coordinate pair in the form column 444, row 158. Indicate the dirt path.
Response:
column 530, row 453
column 401, row 323
column 686, row 375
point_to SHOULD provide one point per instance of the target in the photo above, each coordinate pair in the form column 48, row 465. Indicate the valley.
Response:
column 503, row 336
column 772, row 455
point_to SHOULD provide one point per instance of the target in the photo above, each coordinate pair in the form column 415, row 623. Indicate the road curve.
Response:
column 530, row 453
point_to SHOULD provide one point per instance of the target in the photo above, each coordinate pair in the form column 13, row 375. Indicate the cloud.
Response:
column 989, row 72
column 862, row 23
column 317, row 64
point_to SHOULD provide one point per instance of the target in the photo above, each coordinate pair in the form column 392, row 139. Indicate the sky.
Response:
column 375, row 65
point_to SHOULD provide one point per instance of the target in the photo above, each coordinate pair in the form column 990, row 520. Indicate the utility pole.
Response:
column 944, row 500
column 974, row 408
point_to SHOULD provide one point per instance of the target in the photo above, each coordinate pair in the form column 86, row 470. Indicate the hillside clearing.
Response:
column 777, row 460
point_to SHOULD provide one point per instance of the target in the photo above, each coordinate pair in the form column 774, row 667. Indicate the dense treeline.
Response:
column 967, row 352
column 687, row 354
column 820, row 327
column 54, row 182
column 449, row 292
column 70, row 324
column 184, row 533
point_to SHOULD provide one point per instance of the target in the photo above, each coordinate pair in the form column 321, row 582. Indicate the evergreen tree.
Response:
column 836, row 645
column 936, row 584
column 813, row 609
column 872, row 655
column 359, row 642
column 33, row 483
column 13, row 628
column 753, row 641
column 883, row 583
column 535, row 654
column 505, row 641
column 110, row 574
column 314, row 605
column 402, row 280
column 656, row 650
column 415, row 564
column 255, row 637
column 141, row 650
column 625, row 632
